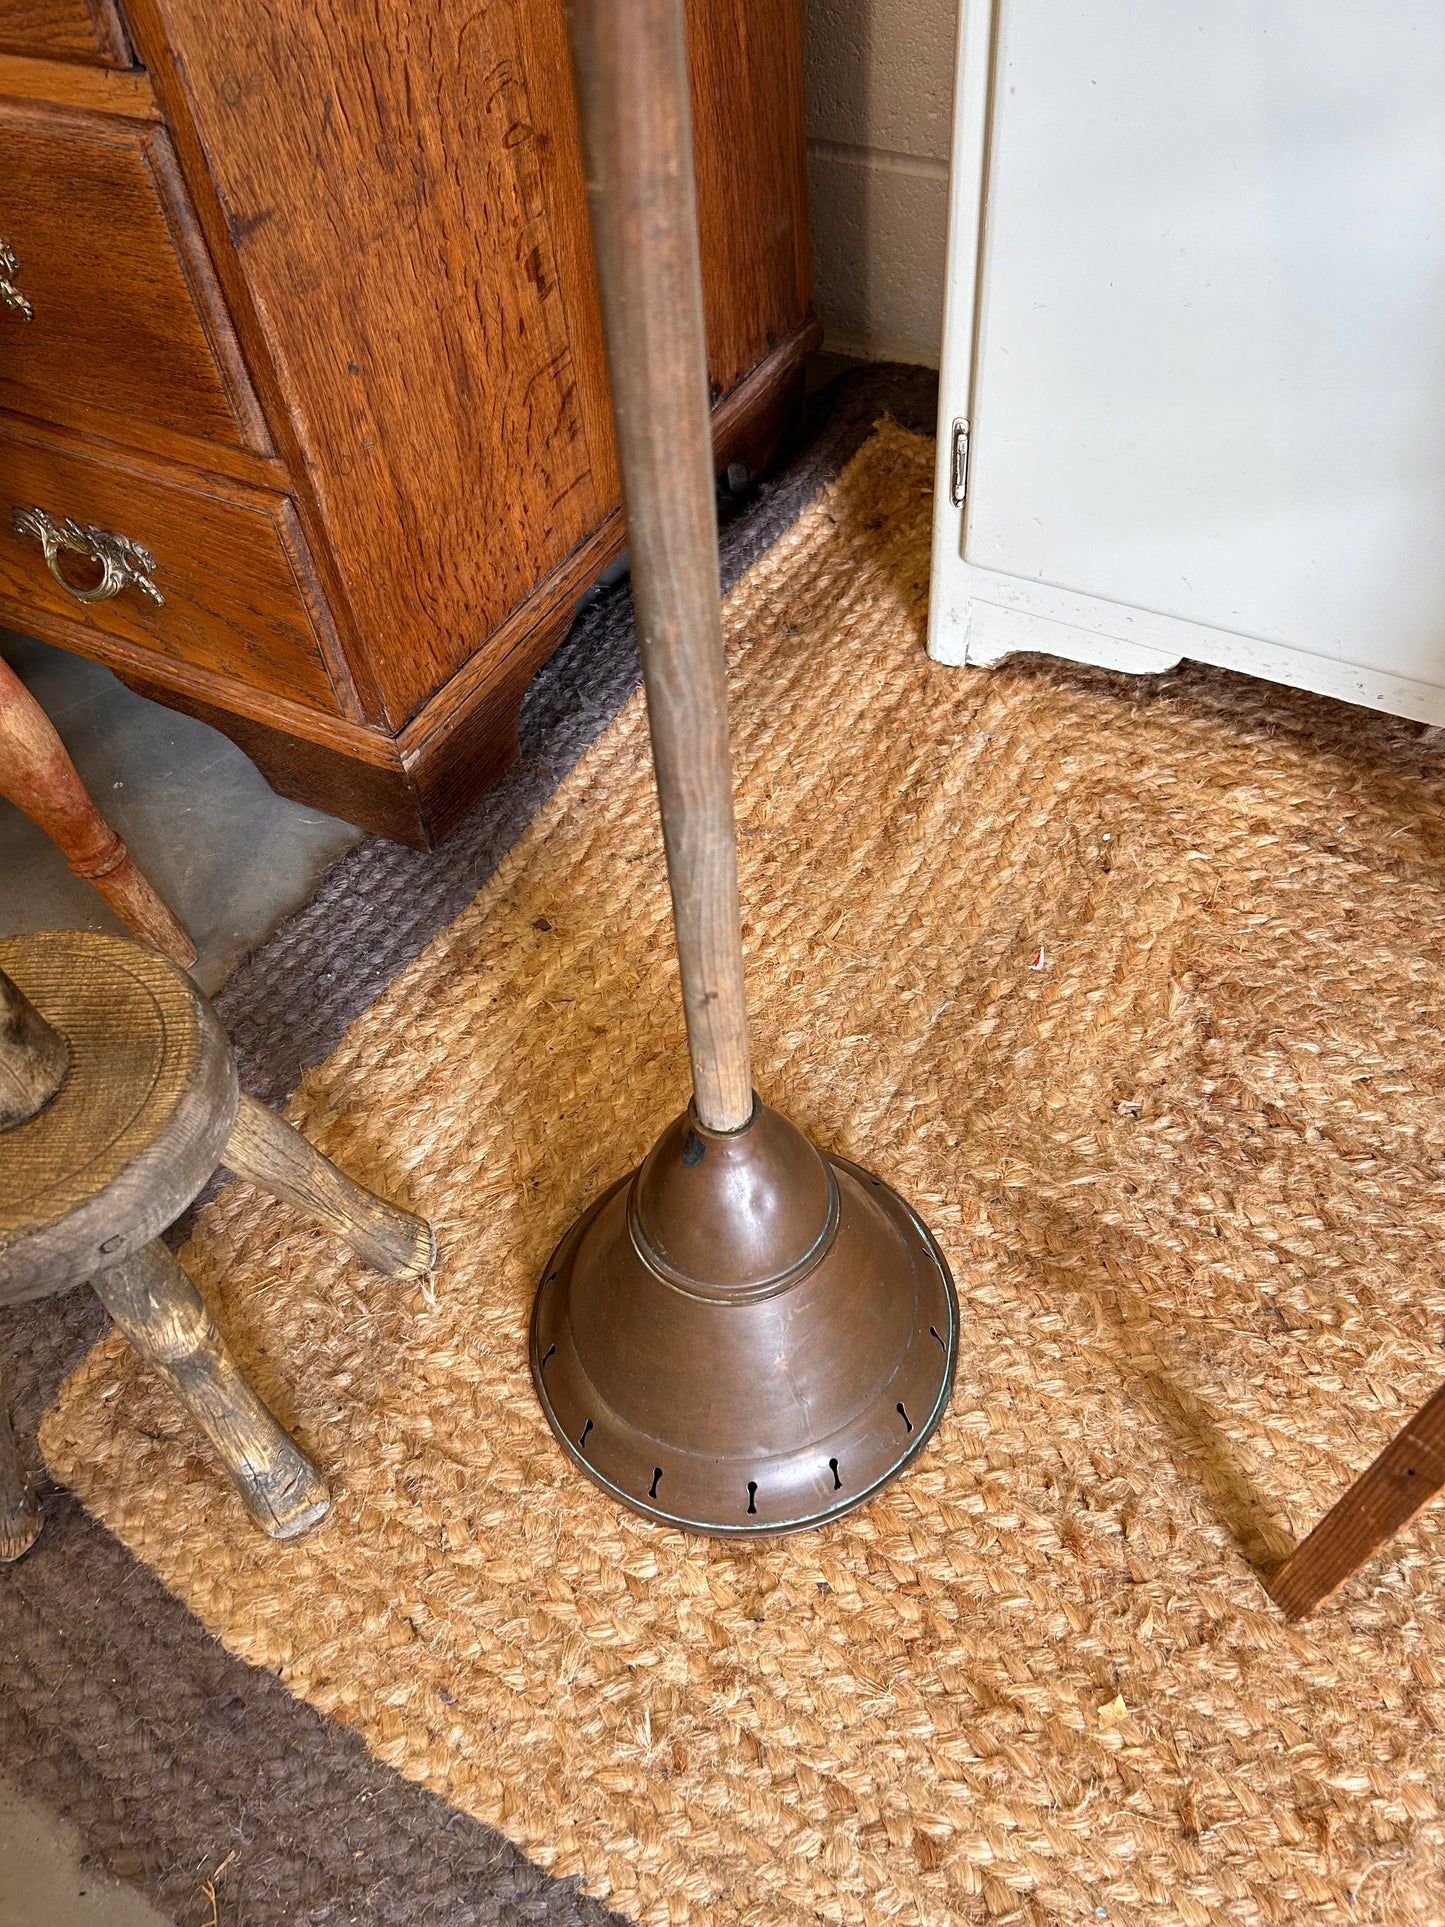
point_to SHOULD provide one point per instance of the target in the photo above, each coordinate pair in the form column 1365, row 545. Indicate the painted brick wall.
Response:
column 879, row 77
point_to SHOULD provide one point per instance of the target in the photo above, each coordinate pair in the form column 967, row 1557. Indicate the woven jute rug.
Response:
column 188, row 1772
column 1130, row 987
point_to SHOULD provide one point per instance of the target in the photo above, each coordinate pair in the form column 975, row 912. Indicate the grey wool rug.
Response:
column 190, row 1774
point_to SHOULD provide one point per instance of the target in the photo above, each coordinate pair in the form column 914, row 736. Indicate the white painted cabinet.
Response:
column 1195, row 335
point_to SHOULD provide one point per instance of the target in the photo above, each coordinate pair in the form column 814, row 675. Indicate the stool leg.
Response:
column 160, row 1311
column 36, row 773
column 265, row 1149
column 19, row 1508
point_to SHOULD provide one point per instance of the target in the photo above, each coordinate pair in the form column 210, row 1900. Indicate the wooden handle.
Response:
column 265, row 1149
column 630, row 65
column 33, row 1057
column 155, row 1305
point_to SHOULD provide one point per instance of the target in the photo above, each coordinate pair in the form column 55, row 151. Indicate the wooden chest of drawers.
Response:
column 303, row 411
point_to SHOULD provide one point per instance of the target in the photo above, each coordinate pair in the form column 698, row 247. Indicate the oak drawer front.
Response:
column 112, row 322
column 65, row 30
column 231, row 567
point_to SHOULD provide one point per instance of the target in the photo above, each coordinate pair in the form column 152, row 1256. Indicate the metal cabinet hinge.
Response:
column 958, row 467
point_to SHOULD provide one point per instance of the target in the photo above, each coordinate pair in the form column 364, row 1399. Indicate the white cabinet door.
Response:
column 1195, row 334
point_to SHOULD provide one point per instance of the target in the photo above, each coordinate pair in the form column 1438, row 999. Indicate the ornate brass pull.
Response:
column 10, row 295
column 123, row 564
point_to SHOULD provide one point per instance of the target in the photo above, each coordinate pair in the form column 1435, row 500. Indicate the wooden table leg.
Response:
column 37, row 775
column 1385, row 1497
column 160, row 1311
column 265, row 1149
column 19, row 1507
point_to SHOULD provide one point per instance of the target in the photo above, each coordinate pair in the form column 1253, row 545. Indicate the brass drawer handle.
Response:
column 10, row 295
column 123, row 564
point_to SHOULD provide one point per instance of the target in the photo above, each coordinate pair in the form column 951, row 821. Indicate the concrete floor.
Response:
column 232, row 858
column 43, row 1881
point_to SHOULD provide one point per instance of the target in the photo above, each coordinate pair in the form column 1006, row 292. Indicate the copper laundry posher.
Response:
column 746, row 1335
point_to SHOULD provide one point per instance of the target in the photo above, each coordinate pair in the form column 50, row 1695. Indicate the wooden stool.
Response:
column 118, row 1101
column 38, row 777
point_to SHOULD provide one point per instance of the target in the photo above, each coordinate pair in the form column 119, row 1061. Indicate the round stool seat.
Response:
column 138, row 1124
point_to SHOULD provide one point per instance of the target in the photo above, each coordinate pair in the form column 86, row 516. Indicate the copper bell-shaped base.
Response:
column 744, row 1336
